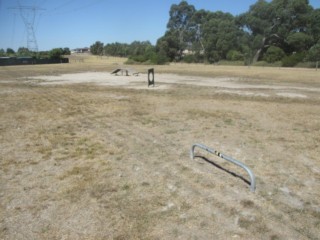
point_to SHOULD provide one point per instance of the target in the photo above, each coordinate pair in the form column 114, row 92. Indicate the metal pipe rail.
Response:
column 234, row 161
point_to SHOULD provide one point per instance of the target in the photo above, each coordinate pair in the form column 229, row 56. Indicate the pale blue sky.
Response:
column 79, row 23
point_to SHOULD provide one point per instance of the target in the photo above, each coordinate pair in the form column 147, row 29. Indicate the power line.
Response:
column 37, row 22
column 13, row 29
column 88, row 5
column 42, row 3
column 62, row 5
column 28, row 15
column 75, row 9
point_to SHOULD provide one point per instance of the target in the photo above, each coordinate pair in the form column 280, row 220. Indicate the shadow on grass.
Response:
column 223, row 169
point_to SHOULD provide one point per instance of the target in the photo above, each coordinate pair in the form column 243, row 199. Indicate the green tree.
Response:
column 97, row 48
column 274, row 54
column 219, row 34
column 234, row 55
column 314, row 24
column 299, row 41
column 276, row 23
column 168, row 45
column 144, row 52
column 56, row 53
column 258, row 23
column 2, row 52
column 43, row 54
column 181, row 26
column 283, row 26
column 293, row 59
column 116, row 49
column 66, row 51
column 10, row 52
column 24, row 52
column 159, row 58
column 137, row 48
column 314, row 53
column 199, row 18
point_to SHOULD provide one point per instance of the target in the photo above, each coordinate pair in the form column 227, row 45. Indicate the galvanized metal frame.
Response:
column 229, row 159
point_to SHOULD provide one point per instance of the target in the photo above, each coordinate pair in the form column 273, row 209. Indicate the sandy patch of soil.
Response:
column 229, row 85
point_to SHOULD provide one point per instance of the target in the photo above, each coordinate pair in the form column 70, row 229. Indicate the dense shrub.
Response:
column 234, row 55
column 151, row 58
column 2, row 53
column 159, row 59
column 56, row 53
column 231, row 63
column 266, row 64
column 293, row 60
column 314, row 53
column 306, row 65
column 97, row 48
column 189, row 59
column 139, row 58
column 273, row 54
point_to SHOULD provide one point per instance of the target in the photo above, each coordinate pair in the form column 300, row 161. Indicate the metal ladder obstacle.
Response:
column 234, row 161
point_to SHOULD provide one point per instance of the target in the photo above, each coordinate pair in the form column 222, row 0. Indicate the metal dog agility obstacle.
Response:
column 234, row 161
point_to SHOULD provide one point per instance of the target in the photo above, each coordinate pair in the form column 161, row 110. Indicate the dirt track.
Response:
column 95, row 161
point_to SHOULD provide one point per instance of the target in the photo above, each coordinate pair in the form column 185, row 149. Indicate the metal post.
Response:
column 234, row 161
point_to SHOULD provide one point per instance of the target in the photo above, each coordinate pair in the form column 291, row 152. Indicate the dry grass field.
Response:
column 99, row 161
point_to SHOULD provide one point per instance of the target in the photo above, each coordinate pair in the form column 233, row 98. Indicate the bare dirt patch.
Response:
column 97, row 160
column 230, row 85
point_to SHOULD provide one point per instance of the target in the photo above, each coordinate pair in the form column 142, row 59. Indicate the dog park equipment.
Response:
column 234, row 161
column 151, row 80
column 122, row 70
column 125, row 70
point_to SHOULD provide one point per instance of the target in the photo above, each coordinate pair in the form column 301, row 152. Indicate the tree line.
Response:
column 25, row 52
column 285, row 31
column 279, row 31
column 137, row 51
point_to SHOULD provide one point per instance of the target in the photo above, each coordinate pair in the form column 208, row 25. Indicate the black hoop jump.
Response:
column 151, row 80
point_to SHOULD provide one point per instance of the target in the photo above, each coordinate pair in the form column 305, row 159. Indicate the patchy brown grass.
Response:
column 78, row 162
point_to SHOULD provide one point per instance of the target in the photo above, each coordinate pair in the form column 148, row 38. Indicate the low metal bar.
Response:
column 234, row 161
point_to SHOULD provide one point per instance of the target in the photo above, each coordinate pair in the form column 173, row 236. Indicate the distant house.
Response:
column 81, row 50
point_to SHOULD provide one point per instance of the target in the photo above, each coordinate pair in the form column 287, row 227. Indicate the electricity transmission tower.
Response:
column 28, row 15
